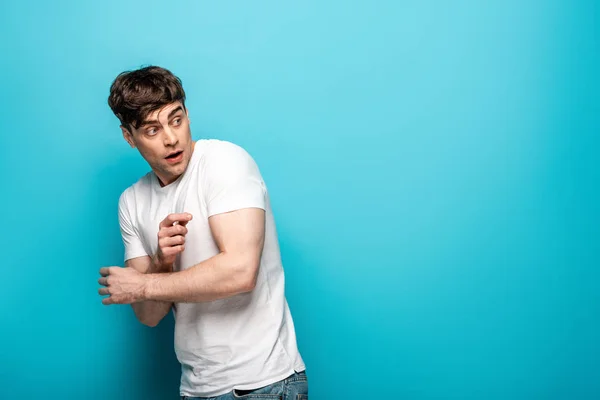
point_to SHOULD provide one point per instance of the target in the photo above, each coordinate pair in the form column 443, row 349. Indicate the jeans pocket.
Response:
column 270, row 392
column 297, row 389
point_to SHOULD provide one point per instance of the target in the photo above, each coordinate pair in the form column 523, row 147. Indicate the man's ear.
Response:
column 128, row 136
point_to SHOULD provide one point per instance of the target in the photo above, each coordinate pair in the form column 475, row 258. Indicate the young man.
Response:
column 200, row 239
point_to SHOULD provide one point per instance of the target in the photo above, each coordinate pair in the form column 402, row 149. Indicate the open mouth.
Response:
column 174, row 156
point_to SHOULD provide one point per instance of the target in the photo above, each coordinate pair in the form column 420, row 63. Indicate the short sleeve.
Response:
column 131, row 240
column 232, row 180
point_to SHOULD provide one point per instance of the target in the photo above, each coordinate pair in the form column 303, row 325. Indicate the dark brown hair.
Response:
column 135, row 94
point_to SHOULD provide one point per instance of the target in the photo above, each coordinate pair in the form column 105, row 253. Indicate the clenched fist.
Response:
column 171, row 237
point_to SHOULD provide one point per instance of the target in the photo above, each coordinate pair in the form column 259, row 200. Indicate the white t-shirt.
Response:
column 241, row 342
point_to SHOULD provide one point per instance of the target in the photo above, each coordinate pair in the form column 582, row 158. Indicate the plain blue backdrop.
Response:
column 433, row 167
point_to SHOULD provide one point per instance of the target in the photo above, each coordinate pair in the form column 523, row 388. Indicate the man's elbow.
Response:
column 249, row 276
column 144, row 317
column 248, row 285
column 150, row 322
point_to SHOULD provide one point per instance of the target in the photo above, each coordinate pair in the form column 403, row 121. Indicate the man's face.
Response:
column 164, row 140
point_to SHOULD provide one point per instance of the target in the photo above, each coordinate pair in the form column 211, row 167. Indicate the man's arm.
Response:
column 148, row 312
column 240, row 237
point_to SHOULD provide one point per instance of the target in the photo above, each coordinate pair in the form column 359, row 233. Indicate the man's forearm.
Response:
column 221, row 276
column 151, row 312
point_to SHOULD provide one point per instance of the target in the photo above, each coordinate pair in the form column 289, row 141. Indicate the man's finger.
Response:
column 181, row 218
column 103, row 281
column 173, row 231
column 173, row 250
column 107, row 301
column 184, row 223
column 105, row 271
column 103, row 291
column 171, row 241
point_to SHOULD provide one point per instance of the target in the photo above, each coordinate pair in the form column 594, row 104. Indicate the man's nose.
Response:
column 170, row 138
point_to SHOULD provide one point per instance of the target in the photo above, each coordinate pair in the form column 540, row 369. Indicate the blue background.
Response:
column 433, row 167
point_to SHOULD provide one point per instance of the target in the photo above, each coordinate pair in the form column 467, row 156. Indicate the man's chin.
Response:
column 177, row 169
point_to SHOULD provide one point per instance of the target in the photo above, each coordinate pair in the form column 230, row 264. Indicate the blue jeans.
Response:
column 294, row 387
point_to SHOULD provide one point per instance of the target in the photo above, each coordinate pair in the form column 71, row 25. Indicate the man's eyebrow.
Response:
column 173, row 112
column 155, row 121
column 149, row 122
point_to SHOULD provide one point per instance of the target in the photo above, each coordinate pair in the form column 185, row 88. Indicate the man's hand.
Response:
column 171, row 238
column 123, row 285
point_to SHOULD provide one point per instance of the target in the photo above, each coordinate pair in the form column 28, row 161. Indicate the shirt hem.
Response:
column 256, row 385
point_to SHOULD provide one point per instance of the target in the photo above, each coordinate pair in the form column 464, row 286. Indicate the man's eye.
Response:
column 151, row 131
column 177, row 121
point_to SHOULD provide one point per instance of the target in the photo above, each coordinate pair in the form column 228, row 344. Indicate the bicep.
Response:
column 240, row 232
